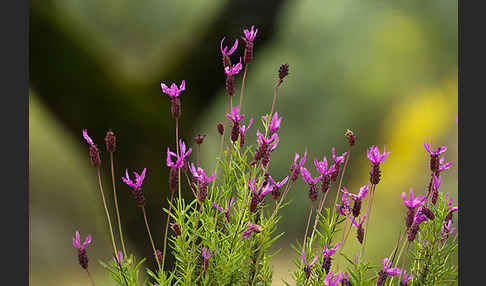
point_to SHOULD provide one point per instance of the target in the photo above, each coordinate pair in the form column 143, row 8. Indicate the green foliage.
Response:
column 125, row 273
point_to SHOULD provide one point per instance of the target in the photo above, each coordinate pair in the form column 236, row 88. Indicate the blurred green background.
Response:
column 385, row 69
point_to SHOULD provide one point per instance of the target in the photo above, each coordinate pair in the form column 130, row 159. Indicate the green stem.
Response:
column 106, row 210
column 243, row 85
column 368, row 214
column 90, row 277
column 150, row 237
column 116, row 205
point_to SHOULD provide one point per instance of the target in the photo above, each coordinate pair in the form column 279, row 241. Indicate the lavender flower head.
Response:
column 248, row 38
column 258, row 194
column 110, row 140
column 326, row 173
column 203, row 179
column 448, row 201
column 357, row 199
column 226, row 53
column 236, row 118
column 173, row 92
column 230, row 79
column 343, row 209
column 387, row 271
column 308, row 267
column 444, row 166
column 265, row 146
column 447, row 229
column 82, row 256
column 206, row 254
column 297, row 165
column 376, row 158
column 227, row 210
column 274, row 123
column 327, row 253
column 94, row 153
column 243, row 130
column 283, row 71
column 436, row 181
column 184, row 154
column 333, row 280
column 312, row 183
column 434, row 155
column 277, row 186
column 359, row 227
column 419, row 218
column 251, row 228
column 136, row 186
column 232, row 70
column 173, row 175
column 338, row 160
column 412, row 202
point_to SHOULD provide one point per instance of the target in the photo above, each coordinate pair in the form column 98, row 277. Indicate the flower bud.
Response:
column 220, row 128
column 110, row 140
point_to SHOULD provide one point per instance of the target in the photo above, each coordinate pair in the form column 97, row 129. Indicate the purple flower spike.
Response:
column 206, row 254
column 447, row 229
column 343, row 209
column 363, row 191
column 333, row 280
column 251, row 228
column 173, row 91
column 274, row 123
column 250, row 35
column 308, row 267
column 184, row 154
column 94, row 153
column 137, row 186
column 312, row 183
column 395, row 271
column 232, row 70
column 359, row 227
column 227, row 210
column 436, row 181
column 203, row 179
column 338, row 159
column 296, row 166
column 322, row 167
column 374, row 155
column 327, row 253
column 444, row 166
column 277, row 186
column 82, row 256
column 179, row 161
column 412, row 202
column 243, row 130
column 234, row 116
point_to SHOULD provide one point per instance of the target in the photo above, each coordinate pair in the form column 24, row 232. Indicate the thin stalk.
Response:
column 275, row 93
column 367, row 222
column 342, row 175
column 150, row 236
column 243, row 85
column 403, row 263
column 106, row 210
column 308, row 222
column 220, row 152
column 198, row 155
column 90, row 277
column 116, row 205
column 167, row 228
column 177, row 135
column 287, row 188
column 195, row 229
column 321, row 205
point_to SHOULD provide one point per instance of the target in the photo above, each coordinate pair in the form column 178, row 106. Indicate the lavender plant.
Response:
column 223, row 235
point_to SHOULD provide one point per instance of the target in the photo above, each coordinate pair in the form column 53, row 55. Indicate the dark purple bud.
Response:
column 356, row 208
column 254, row 203
column 307, row 270
column 235, row 132
column 220, row 128
column 173, row 179
column 242, row 140
column 360, row 234
column 275, row 193
column 381, row 278
column 335, row 174
column 226, row 60
column 230, row 84
column 409, row 219
column 248, row 55
column 200, row 139
column 434, row 163
column 428, row 213
column 175, row 107
column 313, row 194
column 158, row 253
column 351, row 137
column 326, row 264
column 449, row 216
column 266, row 159
column 412, row 232
column 295, row 172
column 83, row 258
column 326, row 183
column 176, row 228
column 203, row 191
column 283, row 71
column 435, row 196
column 375, row 174
column 346, row 282
column 110, row 140
column 94, row 155
column 260, row 153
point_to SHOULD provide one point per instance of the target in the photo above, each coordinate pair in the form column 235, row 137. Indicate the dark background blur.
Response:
column 386, row 70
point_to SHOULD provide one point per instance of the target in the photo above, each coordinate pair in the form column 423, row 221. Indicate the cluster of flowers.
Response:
column 419, row 211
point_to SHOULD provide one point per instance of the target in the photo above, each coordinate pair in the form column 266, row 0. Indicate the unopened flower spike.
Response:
column 173, row 92
column 363, row 191
column 236, row 118
column 308, row 266
column 283, row 71
column 296, row 166
column 327, row 253
column 312, row 183
column 277, row 186
column 376, row 158
column 265, row 146
column 227, row 210
column 351, row 137
column 338, row 160
column 119, row 258
column 436, row 181
column 412, row 203
column 226, row 53
column 82, row 255
column 359, row 227
column 248, row 38
column 110, row 140
column 243, row 130
column 419, row 218
column 387, row 271
column 326, row 173
column 434, row 155
column 199, row 139
column 251, row 228
column 94, row 153
column 136, row 186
